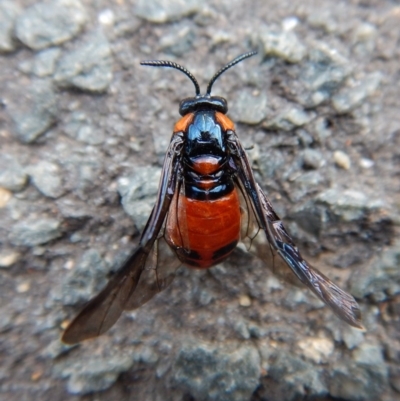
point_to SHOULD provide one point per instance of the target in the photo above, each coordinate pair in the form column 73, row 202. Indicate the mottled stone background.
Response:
column 83, row 131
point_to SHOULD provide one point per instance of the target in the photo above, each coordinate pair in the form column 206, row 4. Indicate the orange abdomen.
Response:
column 204, row 232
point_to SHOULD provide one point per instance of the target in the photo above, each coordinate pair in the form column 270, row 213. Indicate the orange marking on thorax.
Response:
column 206, row 164
column 183, row 123
column 225, row 122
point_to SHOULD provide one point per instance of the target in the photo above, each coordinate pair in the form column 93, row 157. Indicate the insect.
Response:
column 208, row 200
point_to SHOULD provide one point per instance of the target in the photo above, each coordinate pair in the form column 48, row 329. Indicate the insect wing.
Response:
column 260, row 216
column 138, row 280
column 157, row 274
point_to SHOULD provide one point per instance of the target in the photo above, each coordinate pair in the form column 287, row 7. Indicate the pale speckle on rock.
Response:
column 5, row 196
column 244, row 300
column 342, row 159
column 8, row 258
column 317, row 349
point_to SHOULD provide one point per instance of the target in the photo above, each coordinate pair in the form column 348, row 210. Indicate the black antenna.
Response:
column 171, row 64
column 229, row 65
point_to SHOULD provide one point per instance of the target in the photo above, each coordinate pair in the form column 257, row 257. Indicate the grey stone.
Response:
column 47, row 178
column 81, row 127
column 309, row 217
column 145, row 354
column 312, row 158
column 9, row 11
column 50, row 23
column 179, row 41
column 322, row 74
column 13, row 177
column 369, row 355
column 209, row 373
column 305, row 183
column 205, row 297
column 36, row 113
column 88, row 67
column 342, row 332
column 348, row 99
column 322, row 19
column 357, row 383
column 35, row 231
column 282, row 44
column 161, row 11
column 88, row 171
column 348, row 205
column 289, row 118
column 321, row 128
column 250, row 109
column 295, row 377
column 241, row 329
column 271, row 162
column 74, row 209
column 138, row 193
column 55, row 349
column 96, row 373
column 379, row 278
column 364, row 39
column 395, row 378
column 305, row 137
column 85, row 280
column 43, row 64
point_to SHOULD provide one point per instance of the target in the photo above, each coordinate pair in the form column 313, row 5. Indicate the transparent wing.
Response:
column 157, row 274
column 143, row 274
column 279, row 247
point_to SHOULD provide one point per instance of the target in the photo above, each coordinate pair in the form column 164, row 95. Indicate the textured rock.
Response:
column 161, row 11
column 86, row 279
column 47, row 178
column 379, row 278
column 37, row 113
column 349, row 98
column 43, row 64
column 12, row 176
column 288, row 119
column 322, row 74
column 50, row 23
column 9, row 11
column 283, row 44
column 179, row 41
column 209, row 373
column 95, row 373
column 88, row 67
column 312, row 159
column 363, row 382
column 348, row 204
column 138, row 193
column 35, row 231
column 82, row 128
column 250, row 109
column 294, row 377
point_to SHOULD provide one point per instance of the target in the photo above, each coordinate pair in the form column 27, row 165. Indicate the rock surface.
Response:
column 83, row 132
